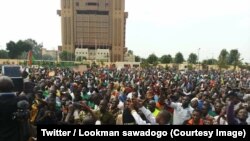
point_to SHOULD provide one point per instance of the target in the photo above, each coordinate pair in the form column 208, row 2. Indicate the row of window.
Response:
column 92, row 29
column 91, row 53
column 97, row 19
column 103, row 17
column 95, row 12
column 66, row 3
column 99, row 35
column 91, row 4
column 92, row 25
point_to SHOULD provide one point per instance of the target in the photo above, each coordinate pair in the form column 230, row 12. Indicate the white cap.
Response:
column 98, row 122
column 194, row 99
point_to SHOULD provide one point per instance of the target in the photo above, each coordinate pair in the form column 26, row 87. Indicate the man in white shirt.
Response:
column 182, row 111
column 163, row 118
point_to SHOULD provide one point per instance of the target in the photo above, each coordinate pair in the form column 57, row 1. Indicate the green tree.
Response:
column 48, row 57
column 4, row 54
column 130, row 52
column 23, row 55
column 67, row 56
column 16, row 50
column 137, row 59
column 179, row 58
column 24, row 46
column 144, row 63
column 152, row 59
column 192, row 59
column 166, row 59
column 36, row 49
column 223, row 59
column 210, row 62
column 233, row 58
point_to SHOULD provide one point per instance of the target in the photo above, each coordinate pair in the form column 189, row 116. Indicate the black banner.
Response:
column 153, row 132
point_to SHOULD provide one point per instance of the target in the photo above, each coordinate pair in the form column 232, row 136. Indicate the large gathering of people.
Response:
column 135, row 96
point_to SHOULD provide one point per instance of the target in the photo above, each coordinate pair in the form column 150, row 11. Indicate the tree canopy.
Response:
column 192, row 59
column 4, row 54
column 234, row 58
column 166, row 59
column 152, row 59
column 137, row 58
column 179, row 58
column 36, row 49
column 16, row 49
column 223, row 59
column 47, row 57
column 210, row 62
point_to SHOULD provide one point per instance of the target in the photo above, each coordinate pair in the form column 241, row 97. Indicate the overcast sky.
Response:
column 153, row 26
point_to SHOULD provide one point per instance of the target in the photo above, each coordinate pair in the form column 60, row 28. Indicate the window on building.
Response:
column 77, row 3
column 64, row 3
column 92, row 4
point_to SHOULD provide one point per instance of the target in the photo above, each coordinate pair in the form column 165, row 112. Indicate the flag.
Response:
column 31, row 59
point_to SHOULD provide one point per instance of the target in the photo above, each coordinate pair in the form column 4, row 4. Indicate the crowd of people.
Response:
column 136, row 96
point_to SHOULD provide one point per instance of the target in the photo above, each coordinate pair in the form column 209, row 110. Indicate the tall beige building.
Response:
column 93, row 25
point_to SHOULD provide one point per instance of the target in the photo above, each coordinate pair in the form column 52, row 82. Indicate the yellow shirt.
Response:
column 156, row 112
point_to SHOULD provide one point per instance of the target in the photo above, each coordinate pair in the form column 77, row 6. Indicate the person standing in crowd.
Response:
column 182, row 111
column 152, row 108
column 162, row 118
column 195, row 119
column 237, row 117
column 221, row 119
column 104, row 116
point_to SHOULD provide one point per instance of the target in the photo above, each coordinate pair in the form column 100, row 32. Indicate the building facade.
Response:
column 89, row 54
column 128, row 57
column 93, row 25
column 52, row 53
